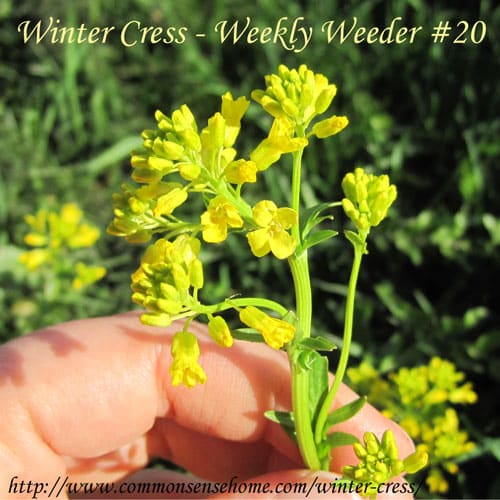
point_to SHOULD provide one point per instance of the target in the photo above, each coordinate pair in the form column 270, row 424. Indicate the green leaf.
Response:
column 493, row 446
column 305, row 358
column 340, row 439
column 318, row 237
column 318, row 385
column 316, row 344
column 311, row 217
column 345, row 412
column 356, row 240
column 248, row 334
column 285, row 419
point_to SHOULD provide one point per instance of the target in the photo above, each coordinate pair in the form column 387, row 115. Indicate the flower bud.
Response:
column 219, row 331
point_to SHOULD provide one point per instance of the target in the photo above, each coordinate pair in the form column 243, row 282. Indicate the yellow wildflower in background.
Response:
column 56, row 230
column 419, row 398
column 273, row 234
column 58, row 236
column 86, row 275
column 167, row 280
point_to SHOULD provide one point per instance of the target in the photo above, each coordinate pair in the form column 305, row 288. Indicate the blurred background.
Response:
column 425, row 113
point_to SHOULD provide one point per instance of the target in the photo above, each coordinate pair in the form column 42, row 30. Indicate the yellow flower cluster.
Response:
column 298, row 96
column 418, row 398
column 168, row 279
column 432, row 384
column 368, row 198
column 53, row 234
column 379, row 462
column 178, row 160
column 201, row 162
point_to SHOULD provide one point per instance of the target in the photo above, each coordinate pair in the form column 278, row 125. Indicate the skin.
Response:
column 92, row 400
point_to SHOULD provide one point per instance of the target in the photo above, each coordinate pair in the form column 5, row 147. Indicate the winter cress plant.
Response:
column 180, row 161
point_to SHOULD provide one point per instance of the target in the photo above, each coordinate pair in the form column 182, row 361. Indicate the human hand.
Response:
column 91, row 400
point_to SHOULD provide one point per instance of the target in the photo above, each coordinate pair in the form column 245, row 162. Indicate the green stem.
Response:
column 299, row 267
column 320, row 430
column 300, row 378
column 239, row 302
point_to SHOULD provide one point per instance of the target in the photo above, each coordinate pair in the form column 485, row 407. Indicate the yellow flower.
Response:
column 272, row 235
column 330, row 126
column 233, row 111
column 63, row 229
column 168, row 202
column 86, row 275
column 240, row 171
column 219, row 331
column 34, row 258
column 276, row 332
column 436, row 481
column 278, row 142
column 185, row 368
column 219, row 216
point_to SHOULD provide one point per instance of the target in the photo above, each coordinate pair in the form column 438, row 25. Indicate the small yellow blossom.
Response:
column 86, row 275
column 168, row 202
column 276, row 332
column 278, row 142
column 233, row 112
column 241, row 171
column 219, row 331
column 34, row 258
column 219, row 216
column 330, row 126
column 273, row 234
column 185, row 368
column 436, row 481
column 63, row 229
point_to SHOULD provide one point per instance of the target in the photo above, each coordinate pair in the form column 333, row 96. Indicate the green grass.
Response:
column 427, row 114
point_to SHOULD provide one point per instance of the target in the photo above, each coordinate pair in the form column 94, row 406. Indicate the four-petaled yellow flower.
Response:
column 219, row 216
column 276, row 332
column 185, row 368
column 273, row 234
